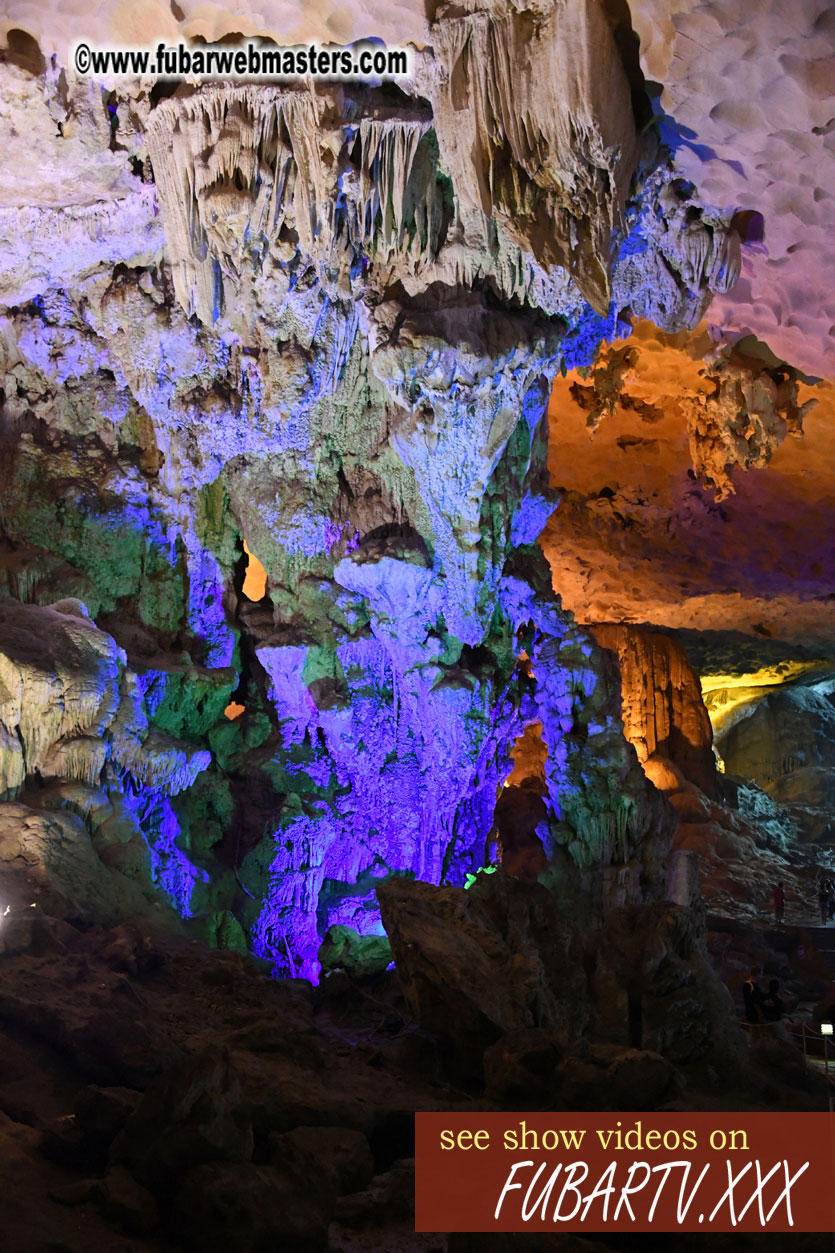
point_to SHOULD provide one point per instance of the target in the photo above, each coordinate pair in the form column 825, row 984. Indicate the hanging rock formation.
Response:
column 663, row 713
column 535, row 126
column 748, row 94
column 740, row 424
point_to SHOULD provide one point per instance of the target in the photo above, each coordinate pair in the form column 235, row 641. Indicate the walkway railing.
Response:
column 804, row 1036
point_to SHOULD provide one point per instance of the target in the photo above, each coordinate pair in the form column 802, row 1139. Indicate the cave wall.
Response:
column 785, row 741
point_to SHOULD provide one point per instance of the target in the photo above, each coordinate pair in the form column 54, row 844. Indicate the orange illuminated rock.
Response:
column 638, row 538
column 663, row 711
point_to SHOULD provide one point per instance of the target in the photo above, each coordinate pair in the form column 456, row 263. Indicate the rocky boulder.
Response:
column 477, row 963
column 192, row 1116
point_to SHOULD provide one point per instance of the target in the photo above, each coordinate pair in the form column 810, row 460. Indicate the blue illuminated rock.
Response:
column 334, row 360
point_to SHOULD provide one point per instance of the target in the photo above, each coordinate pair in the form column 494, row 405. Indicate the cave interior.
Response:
column 417, row 599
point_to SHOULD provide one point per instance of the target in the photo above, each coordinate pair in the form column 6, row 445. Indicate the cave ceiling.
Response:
column 640, row 536
column 668, row 515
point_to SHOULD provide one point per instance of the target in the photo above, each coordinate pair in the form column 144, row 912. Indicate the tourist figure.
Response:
column 752, row 996
column 824, row 895
column 779, row 894
column 772, row 1005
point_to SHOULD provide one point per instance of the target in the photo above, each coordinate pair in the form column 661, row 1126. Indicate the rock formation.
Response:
column 639, row 538
column 337, row 353
column 662, row 708
column 518, row 975
column 785, row 742
column 156, row 1094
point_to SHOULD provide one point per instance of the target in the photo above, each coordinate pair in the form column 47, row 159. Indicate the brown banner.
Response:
column 625, row 1172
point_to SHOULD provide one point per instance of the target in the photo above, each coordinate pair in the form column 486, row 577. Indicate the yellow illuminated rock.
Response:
column 728, row 697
